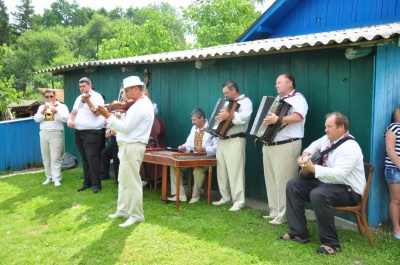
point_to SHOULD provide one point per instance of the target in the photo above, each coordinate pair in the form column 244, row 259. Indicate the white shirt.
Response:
column 85, row 119
column 208, row 141
column 242, row 116
column 345, row 164
column 155, row 108
column 136, row 125
column 294, row 130
column 60, row 117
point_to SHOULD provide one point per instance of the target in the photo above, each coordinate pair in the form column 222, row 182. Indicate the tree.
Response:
column 5, row 28
column 36, row 50
column 116, row 13
column 82, row 16
column 218, row 22
column 63, row 13
column 23, row 16
column 8, row 94
column 154, row 32
column 99, row 28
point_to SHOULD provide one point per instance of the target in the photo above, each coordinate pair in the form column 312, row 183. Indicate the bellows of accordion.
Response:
column 260, row 129
column 220, row 128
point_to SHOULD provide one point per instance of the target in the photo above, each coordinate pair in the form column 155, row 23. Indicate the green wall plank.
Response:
column 327, row 79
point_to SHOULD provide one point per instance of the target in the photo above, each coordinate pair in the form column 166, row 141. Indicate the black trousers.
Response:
column 108, row 153
column 323, row 198
column 88, row 143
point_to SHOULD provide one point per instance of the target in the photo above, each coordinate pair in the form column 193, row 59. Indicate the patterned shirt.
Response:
column 395, row 128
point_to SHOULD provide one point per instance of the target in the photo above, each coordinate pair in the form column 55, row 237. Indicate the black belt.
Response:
column 281, row 142
column 241, row 135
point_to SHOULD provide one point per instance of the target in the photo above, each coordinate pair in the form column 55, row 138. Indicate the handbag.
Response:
column 317, row 158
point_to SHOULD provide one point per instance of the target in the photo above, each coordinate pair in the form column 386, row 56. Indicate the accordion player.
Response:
column 220, row 128
column 260, row 129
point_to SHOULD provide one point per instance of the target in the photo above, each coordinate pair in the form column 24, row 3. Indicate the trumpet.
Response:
column 49, row 115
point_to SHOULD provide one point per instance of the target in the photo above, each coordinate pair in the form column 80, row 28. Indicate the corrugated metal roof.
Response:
column 290, row 43
column 24, row 104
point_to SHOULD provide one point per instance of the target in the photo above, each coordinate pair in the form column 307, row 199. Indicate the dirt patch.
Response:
column 24, row 171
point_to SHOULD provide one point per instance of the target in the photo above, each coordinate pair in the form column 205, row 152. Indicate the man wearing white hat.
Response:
column 133, row 134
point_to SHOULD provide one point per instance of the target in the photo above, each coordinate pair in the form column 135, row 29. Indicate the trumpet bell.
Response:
column 49, row 116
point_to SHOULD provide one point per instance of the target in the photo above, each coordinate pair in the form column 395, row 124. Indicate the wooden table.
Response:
column 178, row 160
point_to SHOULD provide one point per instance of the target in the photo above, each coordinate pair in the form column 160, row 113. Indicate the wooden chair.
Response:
column 359, row 210
column 207, row 183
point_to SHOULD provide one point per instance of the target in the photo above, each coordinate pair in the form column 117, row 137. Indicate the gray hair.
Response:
column 231, row 85
column 49, row 90
column 198, row 113
column 85, row 80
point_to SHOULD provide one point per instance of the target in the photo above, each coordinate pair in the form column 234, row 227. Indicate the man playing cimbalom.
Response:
column 279, row 157
column 197, row 141
column 339, row 181
column 231, row 152
column 133, row 132
column 51, row 116
column 88, row 125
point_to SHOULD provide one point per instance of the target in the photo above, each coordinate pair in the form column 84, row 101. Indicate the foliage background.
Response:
column 67, row 33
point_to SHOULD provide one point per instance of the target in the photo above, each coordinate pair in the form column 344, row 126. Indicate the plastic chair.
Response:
column 359, row 210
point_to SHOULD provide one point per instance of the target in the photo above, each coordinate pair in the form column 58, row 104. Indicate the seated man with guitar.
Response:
column 339, row 181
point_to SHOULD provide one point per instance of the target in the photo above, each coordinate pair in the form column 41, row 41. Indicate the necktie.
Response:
column 325, row 158
column 198, row 138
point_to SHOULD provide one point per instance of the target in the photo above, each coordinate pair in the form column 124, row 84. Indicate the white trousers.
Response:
column 198, row 175
column 280, row 166
column 130, row 191
column 51, row 146
column 231, row 160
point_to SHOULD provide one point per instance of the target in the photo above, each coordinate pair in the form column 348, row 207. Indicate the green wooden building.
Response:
column 184, row 80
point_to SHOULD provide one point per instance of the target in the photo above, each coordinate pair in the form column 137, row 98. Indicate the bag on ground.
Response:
column 68, row 161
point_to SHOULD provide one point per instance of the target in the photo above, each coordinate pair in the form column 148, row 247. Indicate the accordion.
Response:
column 220, row 128
column 260, row 129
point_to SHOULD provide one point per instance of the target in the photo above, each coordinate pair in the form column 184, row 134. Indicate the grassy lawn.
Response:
column 57, row 225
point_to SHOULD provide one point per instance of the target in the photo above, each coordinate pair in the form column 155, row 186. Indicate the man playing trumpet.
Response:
column 51, row 115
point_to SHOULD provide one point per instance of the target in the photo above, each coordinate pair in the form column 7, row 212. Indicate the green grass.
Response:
column 57, row 225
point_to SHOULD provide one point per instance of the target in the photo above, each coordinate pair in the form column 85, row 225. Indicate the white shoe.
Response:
column 144, row 183
column 235, row 208
column 194, row 199
column 182, row 198
column 115, row 216
column 220, row 202
column 275, row 222
column 48, row 181
column 269, row 217
column 57, row 183
column 131, row 220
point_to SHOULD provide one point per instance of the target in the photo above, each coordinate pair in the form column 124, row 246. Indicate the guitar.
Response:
column 316, row 159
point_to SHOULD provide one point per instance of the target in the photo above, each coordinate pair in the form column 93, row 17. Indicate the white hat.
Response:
column 132, row 81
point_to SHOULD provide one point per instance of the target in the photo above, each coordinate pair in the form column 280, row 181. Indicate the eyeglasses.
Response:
column 49, row 96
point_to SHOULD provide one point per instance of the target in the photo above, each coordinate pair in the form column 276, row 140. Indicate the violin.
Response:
column 119, row 106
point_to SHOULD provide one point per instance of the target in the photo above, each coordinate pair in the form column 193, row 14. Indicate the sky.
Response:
column 40, row 5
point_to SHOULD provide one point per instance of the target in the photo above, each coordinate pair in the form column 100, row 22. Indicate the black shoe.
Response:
column 82, row 188
column 96, row 189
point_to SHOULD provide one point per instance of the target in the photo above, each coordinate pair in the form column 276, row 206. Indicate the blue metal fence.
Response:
column 19, row 144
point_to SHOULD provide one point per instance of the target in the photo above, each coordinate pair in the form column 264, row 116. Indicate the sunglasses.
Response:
column 49, row 96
